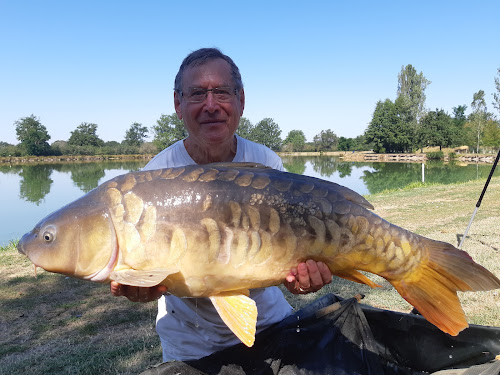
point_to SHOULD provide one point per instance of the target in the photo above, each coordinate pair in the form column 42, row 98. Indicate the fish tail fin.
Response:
column 432, row 287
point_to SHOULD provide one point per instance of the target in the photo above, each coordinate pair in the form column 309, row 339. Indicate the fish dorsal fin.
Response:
column 143, row 278
column 352, row 196
column 239, row 312
column 238, row 165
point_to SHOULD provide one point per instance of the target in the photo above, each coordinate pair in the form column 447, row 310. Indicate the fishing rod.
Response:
column 480, row 199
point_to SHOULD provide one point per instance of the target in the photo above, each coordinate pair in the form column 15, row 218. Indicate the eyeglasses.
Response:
column 197, row 95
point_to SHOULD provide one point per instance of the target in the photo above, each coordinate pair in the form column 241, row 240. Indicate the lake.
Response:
column 29, row 192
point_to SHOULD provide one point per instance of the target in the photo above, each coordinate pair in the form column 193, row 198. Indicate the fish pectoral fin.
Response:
column 142, row 278
column 239, row 312
column 357, row 277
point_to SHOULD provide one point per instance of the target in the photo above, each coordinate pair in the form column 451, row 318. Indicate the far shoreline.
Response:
column 352, row 156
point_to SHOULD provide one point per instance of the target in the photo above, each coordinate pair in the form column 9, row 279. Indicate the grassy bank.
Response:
column 54, row 324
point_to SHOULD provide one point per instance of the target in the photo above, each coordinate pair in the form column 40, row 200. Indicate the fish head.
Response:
column 77, row 240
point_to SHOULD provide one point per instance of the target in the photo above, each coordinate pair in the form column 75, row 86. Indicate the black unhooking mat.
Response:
column 354, row 339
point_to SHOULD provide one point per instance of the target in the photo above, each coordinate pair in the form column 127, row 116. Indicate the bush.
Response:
column 452, row 156
column 10, row 150
column 438, row 155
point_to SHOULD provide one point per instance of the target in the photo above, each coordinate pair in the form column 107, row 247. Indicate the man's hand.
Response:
column 136, row 293
column 308, row 277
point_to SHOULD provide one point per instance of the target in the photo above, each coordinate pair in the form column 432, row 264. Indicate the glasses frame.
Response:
column 206, row 91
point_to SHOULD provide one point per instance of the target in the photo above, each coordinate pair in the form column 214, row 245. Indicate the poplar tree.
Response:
column 412, row 85
column 479, row 114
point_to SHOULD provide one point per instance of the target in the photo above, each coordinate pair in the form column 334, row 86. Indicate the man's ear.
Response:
column 242, row 101
column 177, row 104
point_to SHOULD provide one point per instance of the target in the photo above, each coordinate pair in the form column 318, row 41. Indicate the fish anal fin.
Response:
column 142, row 278
column 356, row 276
column 239, row 312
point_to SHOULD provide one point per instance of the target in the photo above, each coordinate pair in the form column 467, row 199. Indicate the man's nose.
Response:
column 211, row 105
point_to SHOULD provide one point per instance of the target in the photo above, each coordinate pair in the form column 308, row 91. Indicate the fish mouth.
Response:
column 20, row 247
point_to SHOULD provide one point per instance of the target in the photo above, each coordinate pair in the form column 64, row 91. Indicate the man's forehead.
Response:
column 213, row 72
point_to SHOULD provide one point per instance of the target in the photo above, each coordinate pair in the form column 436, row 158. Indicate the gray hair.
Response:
column 200, row 57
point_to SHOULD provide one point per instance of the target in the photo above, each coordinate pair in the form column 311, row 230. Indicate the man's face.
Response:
column 209, row 122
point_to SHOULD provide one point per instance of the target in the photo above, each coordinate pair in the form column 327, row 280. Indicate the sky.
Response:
column 308, row 65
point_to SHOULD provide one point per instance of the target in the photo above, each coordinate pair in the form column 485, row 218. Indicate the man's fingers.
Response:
column 137, row 294
column 143, row 294
column 303, row 277
column 156, row 292
column 315, row 279
column 325, row 273
column 290, row 278
column 116, row 289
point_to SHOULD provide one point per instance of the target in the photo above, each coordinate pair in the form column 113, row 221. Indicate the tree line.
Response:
column 402, row 125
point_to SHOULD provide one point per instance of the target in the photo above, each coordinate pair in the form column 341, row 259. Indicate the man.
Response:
column 209, row 98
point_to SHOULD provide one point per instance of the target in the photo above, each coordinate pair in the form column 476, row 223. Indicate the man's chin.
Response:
column 217, row 135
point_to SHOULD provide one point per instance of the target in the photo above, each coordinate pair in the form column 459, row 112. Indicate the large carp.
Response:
column 218, row 230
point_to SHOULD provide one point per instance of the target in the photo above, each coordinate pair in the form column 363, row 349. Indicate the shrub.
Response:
column 438, row 155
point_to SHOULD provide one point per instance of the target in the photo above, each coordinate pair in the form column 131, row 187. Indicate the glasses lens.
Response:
column 196, row 95
column 221, row 94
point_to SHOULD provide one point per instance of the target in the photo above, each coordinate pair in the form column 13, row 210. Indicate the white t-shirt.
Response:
column 191, row 328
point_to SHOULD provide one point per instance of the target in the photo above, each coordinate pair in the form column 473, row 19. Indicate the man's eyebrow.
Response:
column 201, row 87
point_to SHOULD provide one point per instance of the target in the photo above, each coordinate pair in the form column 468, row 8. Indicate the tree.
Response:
column 496, row 95
column 436, row 129
column 491, row 134
column 85, row 134
column 135, row 134
column 389, row 130
column 412, row 86
column 295, row 140
column 326, row 140
column 479, row 114
column 268, row 133
column 244, row 128
column 459, row 114
column 168, row 130
column 32, row 135
column 346, row 144
column 459, row 120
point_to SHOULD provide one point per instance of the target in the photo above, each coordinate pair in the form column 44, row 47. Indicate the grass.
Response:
column 55, row 324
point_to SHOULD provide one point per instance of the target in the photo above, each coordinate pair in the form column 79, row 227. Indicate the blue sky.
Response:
column 308, row 65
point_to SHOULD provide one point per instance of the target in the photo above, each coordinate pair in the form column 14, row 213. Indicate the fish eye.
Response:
column 49, row 235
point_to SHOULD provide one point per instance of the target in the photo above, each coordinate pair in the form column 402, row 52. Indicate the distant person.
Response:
column 209, row 98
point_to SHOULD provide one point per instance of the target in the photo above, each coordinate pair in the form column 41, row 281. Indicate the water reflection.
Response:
column 35, row 183
column 377, row 177
column 36, row 179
